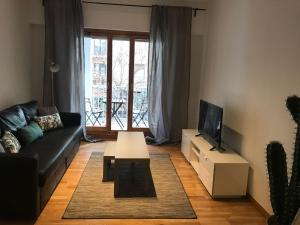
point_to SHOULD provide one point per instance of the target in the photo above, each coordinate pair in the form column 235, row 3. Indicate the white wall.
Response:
column 135, row 19
column 252, row 65
column 124, row 18
column 14, row 53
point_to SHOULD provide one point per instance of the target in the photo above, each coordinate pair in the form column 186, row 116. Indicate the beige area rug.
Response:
column 95, row 199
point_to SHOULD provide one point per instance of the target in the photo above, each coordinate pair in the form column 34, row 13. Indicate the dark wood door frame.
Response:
column 106, row 132
column 131, row 80
column 109, row 81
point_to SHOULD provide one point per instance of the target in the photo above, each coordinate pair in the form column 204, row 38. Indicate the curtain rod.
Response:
column 130, row 5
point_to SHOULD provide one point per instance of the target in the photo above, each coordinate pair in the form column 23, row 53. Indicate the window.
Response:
column 120, row 83
column 100, row 68
column 116, row 75
column 140, row 106
column 95, row 54
column 100, row 47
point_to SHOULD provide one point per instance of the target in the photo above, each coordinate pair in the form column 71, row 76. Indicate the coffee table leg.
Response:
column 116, row 179
column 105, row 162
column 108, row 170
column 149, row 188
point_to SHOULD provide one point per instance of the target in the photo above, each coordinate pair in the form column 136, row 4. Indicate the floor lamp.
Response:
column 54, row 68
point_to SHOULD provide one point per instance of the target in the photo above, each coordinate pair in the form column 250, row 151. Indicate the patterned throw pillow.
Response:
column 49, row 122
column 10, row 142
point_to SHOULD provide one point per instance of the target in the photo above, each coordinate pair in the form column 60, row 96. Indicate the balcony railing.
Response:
column 96, row 112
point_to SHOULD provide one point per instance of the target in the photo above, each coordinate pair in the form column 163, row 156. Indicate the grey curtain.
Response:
column 64, row 46
column 169, row 72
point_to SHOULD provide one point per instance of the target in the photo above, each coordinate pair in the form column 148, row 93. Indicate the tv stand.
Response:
column 224, row 174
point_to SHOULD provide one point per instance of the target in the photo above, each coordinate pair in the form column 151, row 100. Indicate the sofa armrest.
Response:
column 70, row 119
column 19, row 189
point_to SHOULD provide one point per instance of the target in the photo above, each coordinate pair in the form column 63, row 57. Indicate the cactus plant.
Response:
column 278, row 180
column 285, row 196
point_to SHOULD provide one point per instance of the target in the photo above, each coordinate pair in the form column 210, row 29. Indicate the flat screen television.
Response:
column 210, row 123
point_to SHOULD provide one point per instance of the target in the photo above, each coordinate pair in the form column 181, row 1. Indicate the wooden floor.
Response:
column 209, row 212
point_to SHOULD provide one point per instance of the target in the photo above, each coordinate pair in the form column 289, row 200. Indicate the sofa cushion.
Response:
column 29, row 133
column 50, row 149
column 10, row 143
column 49, row 122
column 12, row 118
column 30, row 109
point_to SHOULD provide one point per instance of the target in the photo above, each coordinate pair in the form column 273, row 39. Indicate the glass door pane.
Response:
column 140, row 106
column 120, row 81
column 95, row 56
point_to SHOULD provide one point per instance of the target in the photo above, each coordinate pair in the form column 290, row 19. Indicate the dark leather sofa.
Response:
column 28, row 178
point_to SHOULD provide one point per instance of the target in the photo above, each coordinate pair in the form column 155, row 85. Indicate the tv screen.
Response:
column 210, row 122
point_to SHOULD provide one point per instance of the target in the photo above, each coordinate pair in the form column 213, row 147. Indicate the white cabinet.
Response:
column 185, row 145
column 206, row 172
column 224, row 174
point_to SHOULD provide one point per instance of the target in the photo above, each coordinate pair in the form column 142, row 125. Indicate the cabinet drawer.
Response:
column 207, row 164
column 185, row 147
column 206, row 172
column 206, row 178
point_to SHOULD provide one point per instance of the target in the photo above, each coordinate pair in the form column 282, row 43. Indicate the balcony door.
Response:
column 116, row 75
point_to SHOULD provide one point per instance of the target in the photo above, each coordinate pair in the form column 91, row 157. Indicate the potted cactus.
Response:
column 285, row 193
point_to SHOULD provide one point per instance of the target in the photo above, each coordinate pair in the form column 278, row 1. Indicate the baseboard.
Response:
column 258, row 206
